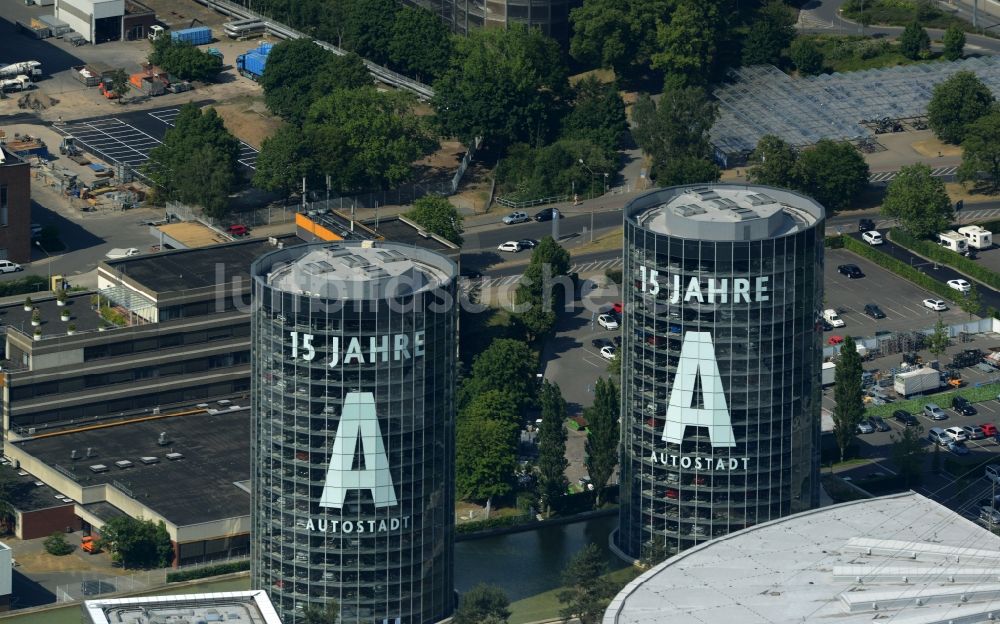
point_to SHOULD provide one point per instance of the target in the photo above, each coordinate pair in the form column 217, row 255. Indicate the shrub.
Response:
column 491, row 523
column 207, row 571
column 940, row 254
column 615, row 275
column 57, row 545
column 24, row 285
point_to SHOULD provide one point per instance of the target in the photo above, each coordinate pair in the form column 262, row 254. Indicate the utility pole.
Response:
column 303, row 193
column 555, row 224
column 328, row 191
column 591, row 225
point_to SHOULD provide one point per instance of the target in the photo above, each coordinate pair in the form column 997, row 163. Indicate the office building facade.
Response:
column 353, row 373
column 721, row 357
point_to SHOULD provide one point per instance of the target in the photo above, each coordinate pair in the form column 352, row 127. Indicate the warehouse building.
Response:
column 97, row 21
column 354, row 341
column 15, row 207
column 898, row 558
column 721, row 356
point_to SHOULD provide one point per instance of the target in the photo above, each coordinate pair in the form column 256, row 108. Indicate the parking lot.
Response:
column 899, row 299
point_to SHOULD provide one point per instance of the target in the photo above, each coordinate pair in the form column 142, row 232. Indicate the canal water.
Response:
column 523, row 564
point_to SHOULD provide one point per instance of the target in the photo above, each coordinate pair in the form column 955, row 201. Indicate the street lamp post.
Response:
column 38, row 243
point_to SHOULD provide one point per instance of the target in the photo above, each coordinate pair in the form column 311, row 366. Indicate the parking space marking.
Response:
column 112, row 140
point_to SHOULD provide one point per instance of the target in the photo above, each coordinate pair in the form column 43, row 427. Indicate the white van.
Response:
column 953, row 241
column 833, row 318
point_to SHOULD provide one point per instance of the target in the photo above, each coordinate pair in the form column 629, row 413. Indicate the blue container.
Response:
column 254, row 63
column 264, row 49
column 195, row 36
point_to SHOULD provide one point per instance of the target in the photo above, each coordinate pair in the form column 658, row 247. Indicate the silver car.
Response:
column 934, row 412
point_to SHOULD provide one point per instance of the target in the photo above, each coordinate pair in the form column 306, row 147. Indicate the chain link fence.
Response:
column 91, row 585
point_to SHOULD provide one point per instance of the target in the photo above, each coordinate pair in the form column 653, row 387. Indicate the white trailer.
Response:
column 977, row 236
column 953, row 241
column 917, row 381
column 30, row 69
column 829, row 373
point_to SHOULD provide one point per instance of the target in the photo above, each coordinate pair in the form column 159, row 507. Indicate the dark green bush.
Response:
column 25, row 285
column 615, row 275
column 491, row 523
column 834, row 242
column 207, row 571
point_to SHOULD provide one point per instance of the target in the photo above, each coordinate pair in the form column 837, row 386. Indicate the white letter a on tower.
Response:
column 698, row 361
column 358, row 419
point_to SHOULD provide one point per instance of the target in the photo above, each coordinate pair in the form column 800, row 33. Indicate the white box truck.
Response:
column 953, row 241
column 829, row 373
column 977, row 236
column 917, row 381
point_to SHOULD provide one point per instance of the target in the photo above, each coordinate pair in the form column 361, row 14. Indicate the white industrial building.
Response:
column 243, row 607
column 96, row 20
column 901, row 558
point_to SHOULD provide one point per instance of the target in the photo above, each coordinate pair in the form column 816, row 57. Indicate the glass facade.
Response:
column 353, row 443
column 721, row 355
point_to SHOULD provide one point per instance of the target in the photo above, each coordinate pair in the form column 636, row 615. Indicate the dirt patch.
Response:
column 44, row 562
column 934, row 147
column 604, row 76
column 957, row 191
column 248, row 119
column 36, row 101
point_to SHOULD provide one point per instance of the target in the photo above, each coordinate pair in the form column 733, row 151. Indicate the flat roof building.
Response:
column 15, row 207
column 721, row 357
column 898, row 558
column 249, row 607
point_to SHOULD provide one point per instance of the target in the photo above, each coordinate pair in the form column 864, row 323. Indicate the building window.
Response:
column 3, row 205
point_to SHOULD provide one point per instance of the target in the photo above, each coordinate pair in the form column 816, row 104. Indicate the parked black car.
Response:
column 545, row 214
column 528, row 243
column 874, row 311
column 865, row 225
column 879, row 422
column 963, row 407
column 851, row 271
column 905, row 418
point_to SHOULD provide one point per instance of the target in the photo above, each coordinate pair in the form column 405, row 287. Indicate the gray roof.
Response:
column 901, row 558
column 724, row 212
column 245, row 607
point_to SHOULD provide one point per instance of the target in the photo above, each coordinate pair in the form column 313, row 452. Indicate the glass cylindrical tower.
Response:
column 721, row 359
column 354, row 367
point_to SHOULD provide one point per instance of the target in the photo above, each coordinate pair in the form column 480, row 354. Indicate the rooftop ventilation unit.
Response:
column 760, row 199
column 689, row 210
column 39, row 484
column 704, row 193
column 162, row 440
column 74, row 454
column 743, row 213
column 91, row 452
column 123, row 464
column 97, row 468
column 149, row 460
column 174, row 456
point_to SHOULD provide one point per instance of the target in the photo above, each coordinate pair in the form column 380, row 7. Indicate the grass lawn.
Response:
column 546, row 605
column 901, row 13
column 854, row 53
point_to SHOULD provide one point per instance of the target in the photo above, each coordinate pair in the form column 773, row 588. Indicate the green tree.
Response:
column 136, row 543
column 119, row 84
column 327, row 614
column 57, row 545
column 368, row 28
column 981, row 151
column 587, row 592
column 689, row 42
column 919, row 201
column 485, row 456
column 506, row 365
column 616, row 34
column 481, row 603
column 773, row 162
column 438, row 216
column 420, row 45
column 849, row 406
column 538, row 293
column 914, row 42
column 365, row 139
column 552, row 461
column 939, row 340
column 806, row 56
column 956, row 103
column 196, row 163
column 770, row 34
column 505, row 85
column 184, row 60
column 677, row 129
column 602, row 436
column 283, row 161
column 954, row 43
column 833, row 173
column 971, row 302
column 908, row 454
column 597, row 114
column 535, row 172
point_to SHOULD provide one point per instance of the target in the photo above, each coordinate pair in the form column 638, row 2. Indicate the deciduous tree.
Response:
column 587, row 593
column 956, row 103
column 485, row 456
column 299, row 72
column 908, row 454
column 849, row 408
column 283, row 161
column 420, row 45
column 616, row 34
column 688, row 42
column 677, row 129
column 914, row 42
column 806, row 56
column 136, row 543
column 552, row 461
column 919, row 201
column 507, row 365
column 954, row 43
column 770, row 34
column 439, row 216
column 833, row 173
column 184, row 60
column 981, row 151
column 773, row 163
column 602, row 436
column 119, row 84
column 481, row 603
column 597, row 114
column 939, row 340
column 368, row 28
column 57, row 545
column 971, row 301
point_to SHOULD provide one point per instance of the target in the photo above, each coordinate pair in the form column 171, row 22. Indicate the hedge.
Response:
column 28, row 285
column 207, row 571
column 975, row 394
column 491, row 523
column 899, row 267
column 945, row 256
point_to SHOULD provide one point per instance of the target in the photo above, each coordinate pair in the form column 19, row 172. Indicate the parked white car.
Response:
column 960, row 285
column 607, row 321
column 935, row 304
column 872, row 237
column 833, row 318
column 119, row 253
column 510, row 246
column 608, row 352
column 6, row 266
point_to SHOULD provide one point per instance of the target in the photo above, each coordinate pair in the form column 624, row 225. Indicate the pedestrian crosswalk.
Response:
column 887, row 176
column 583, row 269
column 810, row 20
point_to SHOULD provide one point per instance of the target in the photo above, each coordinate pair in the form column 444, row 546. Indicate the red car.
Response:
column 989, row 429
column 672, row 494
column 617, row 307
column 238, row 230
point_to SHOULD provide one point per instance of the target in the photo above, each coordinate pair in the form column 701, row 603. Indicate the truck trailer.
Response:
column 31, row 69
column 917, row 381
column 199, row 35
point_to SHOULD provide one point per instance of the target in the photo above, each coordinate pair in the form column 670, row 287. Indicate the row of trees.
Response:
column 833, row 173
column 184, row 60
